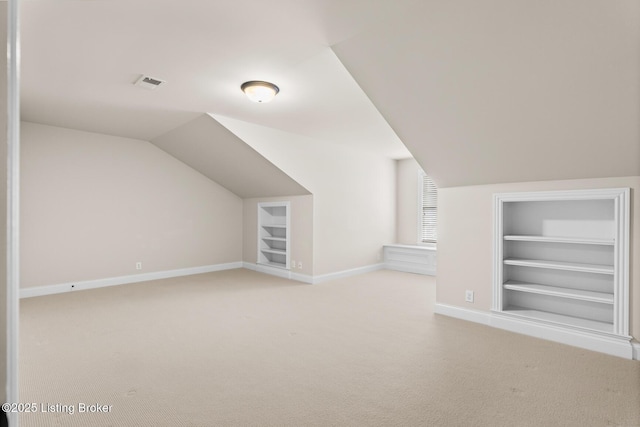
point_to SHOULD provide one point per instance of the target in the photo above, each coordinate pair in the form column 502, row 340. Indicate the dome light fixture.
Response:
column 259, row 91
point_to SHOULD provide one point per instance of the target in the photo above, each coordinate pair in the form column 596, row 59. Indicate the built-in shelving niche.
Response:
column 561, row 260
column 274, row 234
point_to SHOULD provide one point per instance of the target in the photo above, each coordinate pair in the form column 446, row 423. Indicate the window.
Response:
column 428, row 209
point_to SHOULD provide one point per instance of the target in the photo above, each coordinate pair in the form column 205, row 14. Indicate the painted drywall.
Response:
column 93, row 205
column 465, row 239
column 211, row 149
column 3, row 206
column 353, row 193
column 407, row 188
column 301, row 240
column 498, row 91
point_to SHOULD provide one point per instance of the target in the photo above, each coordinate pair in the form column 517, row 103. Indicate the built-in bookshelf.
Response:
column 274, row 234
column 561, row 259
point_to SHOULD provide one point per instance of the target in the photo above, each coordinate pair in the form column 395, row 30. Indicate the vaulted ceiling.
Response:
column 496, row 91
column 479, row 91
column 81, row 58
column 210, row 148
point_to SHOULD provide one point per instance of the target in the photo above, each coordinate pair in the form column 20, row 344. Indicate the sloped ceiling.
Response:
column 508, row 91
column 81, row 58
column 480, row 91
column 208, row 147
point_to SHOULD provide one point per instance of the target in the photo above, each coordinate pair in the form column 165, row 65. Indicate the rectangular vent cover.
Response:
column 149, row 82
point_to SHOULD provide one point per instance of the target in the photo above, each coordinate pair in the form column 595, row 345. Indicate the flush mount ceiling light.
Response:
column 259, row 91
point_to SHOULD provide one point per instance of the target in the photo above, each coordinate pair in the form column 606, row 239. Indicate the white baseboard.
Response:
column 273, row 271
column 475, row 316
column 347, row 273
column 305, row 278
column 121, row 280
column 614, row 346
column 410, row 269
column 604, row 344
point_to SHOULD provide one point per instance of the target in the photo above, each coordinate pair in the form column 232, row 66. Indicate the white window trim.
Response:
column 420, row 192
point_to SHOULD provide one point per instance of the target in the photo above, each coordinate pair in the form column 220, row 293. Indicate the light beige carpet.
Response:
column 238, row 348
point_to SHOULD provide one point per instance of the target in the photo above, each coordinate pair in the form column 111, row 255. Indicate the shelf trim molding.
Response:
column 603, row 343
column 614, row 345
column 584, row 325
column 621, row 262
column 620, row 242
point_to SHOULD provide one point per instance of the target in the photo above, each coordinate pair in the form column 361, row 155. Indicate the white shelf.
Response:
column 557, row 265
column 275, row 239
column 274, row 251
column 274, row 225
column 578, row 294
column 550, row 239
column 560, row 319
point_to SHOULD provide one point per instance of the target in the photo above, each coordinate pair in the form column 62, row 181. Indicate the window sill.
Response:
column 422, row 246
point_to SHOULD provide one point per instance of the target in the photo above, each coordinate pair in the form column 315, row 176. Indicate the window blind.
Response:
column 429, row 210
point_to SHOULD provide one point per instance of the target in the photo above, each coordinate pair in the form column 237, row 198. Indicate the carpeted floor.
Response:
column 238, row 348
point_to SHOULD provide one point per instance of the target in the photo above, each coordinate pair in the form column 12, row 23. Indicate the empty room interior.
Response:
column 322, row 213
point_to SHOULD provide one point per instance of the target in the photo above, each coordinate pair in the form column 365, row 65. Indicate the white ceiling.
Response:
column 494, row 91
column 81, row 58
column 480, row 91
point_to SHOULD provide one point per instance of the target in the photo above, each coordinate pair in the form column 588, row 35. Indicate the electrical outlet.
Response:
column 139, row 265
column 468, row 296
column 300, row 265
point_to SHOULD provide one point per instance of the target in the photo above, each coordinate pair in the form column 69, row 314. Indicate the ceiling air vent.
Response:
column 149, row 82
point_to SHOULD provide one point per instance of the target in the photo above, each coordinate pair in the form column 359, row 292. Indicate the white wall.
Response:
column 465, row 239
column 93, row 205
column 3, row 204
column 407, row 188
column 353, row 194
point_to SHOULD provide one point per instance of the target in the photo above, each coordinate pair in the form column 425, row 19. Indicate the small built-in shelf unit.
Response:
column 562, row 261
column 274, row 233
